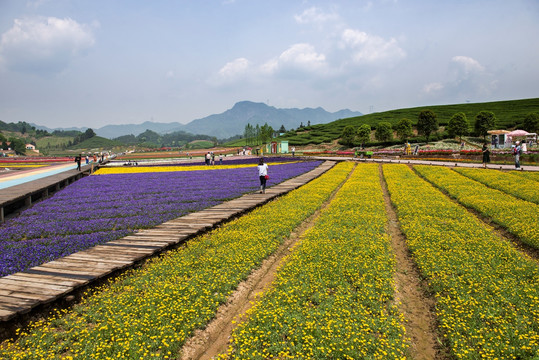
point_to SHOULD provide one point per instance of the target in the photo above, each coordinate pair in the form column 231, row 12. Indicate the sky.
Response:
column 80, row 63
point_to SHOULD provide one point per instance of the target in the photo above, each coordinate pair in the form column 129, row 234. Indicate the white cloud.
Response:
column 433, row 87
column 368, row 48
column 315, row 15
column 234, row 69
column 297, row 58
column 43, row 44
column 467, row 64
column 232, row 72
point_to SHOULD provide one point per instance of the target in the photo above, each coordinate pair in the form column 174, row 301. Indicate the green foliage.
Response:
column 348, row 135
column 18, row 145
column 364, row 133
column 531, row 123
column 200, row 144
column 96, row 142
column 404, row 129
column 484, row 121
column 458, row 125
column 427, row 123
column 256, row 135
column 384, row 132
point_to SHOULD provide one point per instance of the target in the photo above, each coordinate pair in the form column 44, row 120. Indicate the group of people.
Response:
column 518, row 149
column 78, row 159
column 210, row 158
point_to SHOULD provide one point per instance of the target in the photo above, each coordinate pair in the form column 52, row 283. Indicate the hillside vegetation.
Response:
column 510, row 114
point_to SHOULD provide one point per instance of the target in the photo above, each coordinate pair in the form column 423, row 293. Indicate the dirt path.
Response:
column 417, row 307
column 213, row 340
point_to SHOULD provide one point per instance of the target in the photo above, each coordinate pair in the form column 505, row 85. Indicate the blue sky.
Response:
column 92, row 63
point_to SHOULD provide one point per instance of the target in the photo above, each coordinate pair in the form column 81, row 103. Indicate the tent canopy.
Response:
column 518, row 133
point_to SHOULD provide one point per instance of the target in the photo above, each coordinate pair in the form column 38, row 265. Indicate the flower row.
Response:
column 487, row 292
column 333, row 298
column 506, row 182
column 149, row 312
column 97, row 209
column 172, row 168
column 518, row 216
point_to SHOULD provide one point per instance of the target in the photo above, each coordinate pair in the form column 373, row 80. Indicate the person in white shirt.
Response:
column 262, row 174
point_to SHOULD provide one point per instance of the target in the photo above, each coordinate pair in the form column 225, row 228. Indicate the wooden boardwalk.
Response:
column 24, row 292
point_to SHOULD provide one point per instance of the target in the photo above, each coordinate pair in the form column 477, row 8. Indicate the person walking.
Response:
column 262, row 174
column 78, row 160
column 516, row 152
column 486, row 154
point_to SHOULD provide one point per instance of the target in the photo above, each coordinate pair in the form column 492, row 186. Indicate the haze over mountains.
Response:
column 231, row 122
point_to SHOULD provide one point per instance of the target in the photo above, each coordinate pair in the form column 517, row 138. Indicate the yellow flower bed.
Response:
column 526, row 174
column 512, row 184
column 333, row 297
column 519, row 217
column 146, row 169
column 149, row 312
column 487, row 292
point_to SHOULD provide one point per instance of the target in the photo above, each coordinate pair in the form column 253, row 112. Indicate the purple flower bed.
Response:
column 98, row 209
column 236, row 161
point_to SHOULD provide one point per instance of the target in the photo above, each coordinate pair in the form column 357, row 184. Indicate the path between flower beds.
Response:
column 23, row 292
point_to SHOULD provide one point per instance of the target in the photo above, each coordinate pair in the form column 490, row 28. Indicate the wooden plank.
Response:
column 92, row 268
column 46, row 279
column 5, row 315
column 5, row 282
column 64, row 272
column 18, row 302
column 155, row 244
column 22, row 295
column 88, row 255
column 38, row 289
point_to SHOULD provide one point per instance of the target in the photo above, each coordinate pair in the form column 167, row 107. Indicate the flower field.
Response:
column 149, row 312
column 97, row 209
column 487, row 293
column 509, row 183
column 333, row 297
column 519, row 217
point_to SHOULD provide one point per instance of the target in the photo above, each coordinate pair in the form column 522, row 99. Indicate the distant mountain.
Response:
column 114, row 131
column 233, row 121
column 227, row 124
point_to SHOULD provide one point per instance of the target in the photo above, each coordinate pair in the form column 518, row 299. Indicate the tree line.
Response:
column 427, row 125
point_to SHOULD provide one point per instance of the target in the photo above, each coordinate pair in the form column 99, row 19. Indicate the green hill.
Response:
column 95, row 142
column 509, row 115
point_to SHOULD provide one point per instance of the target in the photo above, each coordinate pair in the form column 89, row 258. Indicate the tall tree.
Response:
column 404, row 129
column 531, row 123
column 364, row 133
column 484, row 121
column 348, row 135
column 427, row 123
column 383, row 132
column 458, row 125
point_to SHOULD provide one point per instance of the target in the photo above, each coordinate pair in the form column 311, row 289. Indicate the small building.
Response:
column 30, row 147
column 500, row 138
column 277, row 147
